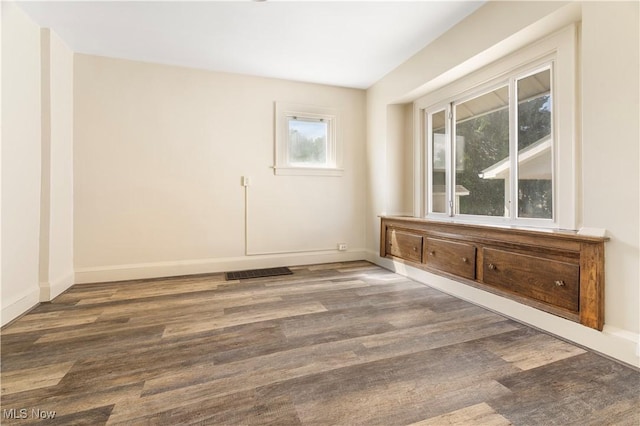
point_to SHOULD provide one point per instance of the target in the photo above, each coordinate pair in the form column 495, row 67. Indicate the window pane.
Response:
column 535, row 188
column 308, row 142
column 482, row 154
column 438, row 162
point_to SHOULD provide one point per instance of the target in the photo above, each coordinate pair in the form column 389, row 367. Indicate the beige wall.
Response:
column 37, row 164
column 56, row 249
column 20, row 162
column 159, row 154
column 610, row 142
column 399, row 155
column 610, row 155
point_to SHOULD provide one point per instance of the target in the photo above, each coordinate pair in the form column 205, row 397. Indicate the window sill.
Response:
column 495, row 221
column 308, row 171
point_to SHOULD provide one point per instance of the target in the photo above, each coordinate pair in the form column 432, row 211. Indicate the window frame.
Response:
column 284, row 112
column 557, row 51
column 446, row 108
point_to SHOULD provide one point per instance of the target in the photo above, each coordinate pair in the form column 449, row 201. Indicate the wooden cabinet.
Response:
column 405, row 245
column 451, row 256
column 550, row 281
column 556, row 271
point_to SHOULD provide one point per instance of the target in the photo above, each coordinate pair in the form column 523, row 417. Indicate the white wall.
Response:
column 399, row 159
column 159, row 153
column 20, row 162
column 609, row 150
column 610, row 141
column 56, row 227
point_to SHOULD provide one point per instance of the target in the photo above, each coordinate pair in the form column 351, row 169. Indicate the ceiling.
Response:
column 351, row 44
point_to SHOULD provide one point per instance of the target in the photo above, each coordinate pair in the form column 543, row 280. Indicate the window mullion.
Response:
column 511, row 205
column 450, row 172
column 428, row 205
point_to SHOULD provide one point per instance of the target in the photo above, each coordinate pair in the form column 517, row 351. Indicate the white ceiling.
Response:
column 350, row 44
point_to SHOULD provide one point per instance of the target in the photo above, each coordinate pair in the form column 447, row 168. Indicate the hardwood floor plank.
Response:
column 81, row 347
column 344, row 343
column 537, row 351
column 557, row 393
column 25, row 325
column 358, row 268
column 91, row 417
column 69, row 403
column 260, row 371
column 245, row 317
column 242, row 408
column 102, row 329
column 33, row 378
column 439, row 334
column 334, row 266
column 390, row 287
column 37, row 416
column 479, row 414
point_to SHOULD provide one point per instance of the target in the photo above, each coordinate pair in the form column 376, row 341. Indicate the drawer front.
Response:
column 404, row 244
column 452, row 257
column 549, row 281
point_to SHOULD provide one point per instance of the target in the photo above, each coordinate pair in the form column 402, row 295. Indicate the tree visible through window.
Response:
column 535, row 189
column 486, row 137
column 493, row 172
column 307, row 142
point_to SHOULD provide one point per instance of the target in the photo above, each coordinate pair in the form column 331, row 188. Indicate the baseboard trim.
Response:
column 630, row 337
column 613, row 342
column 19, row 307
column 204, row 266
column 51, row 290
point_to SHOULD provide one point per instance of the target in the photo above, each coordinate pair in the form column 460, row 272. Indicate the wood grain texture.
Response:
column 479, row 414
column 592, row 285
column 560, row 272
column 546, row 280
column 341, row 344
column 453, row 257
column 404, row 244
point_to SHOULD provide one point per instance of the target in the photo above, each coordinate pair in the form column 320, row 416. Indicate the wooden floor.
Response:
column 331, row 344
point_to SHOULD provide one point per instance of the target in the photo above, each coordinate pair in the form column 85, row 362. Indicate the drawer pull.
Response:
column 465, row 260
column 432, row 253
column 415, row 249
column 559, row 283
column 492, row 266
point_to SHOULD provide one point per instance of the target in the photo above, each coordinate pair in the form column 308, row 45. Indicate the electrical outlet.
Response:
column 342, row 246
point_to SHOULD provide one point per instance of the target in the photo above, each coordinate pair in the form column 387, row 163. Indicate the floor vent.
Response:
column 257, row 273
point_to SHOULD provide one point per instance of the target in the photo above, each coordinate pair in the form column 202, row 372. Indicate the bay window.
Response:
column 498, row 145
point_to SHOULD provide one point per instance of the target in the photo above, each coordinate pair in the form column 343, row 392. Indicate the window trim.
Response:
column 284, row 111
column 446, row 108
column 559, row 48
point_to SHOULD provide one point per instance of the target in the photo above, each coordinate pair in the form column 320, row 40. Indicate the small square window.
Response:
column 306, row 141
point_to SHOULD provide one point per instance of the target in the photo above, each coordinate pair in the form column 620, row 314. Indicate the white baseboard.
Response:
column 50, row 290
column 23, row 304
column 624, row 335
column 616, row 343
column 204, row 266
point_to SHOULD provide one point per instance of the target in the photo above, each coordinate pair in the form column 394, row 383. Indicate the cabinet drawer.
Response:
column 404, row 244
column 549, row 281
column 452, row 257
